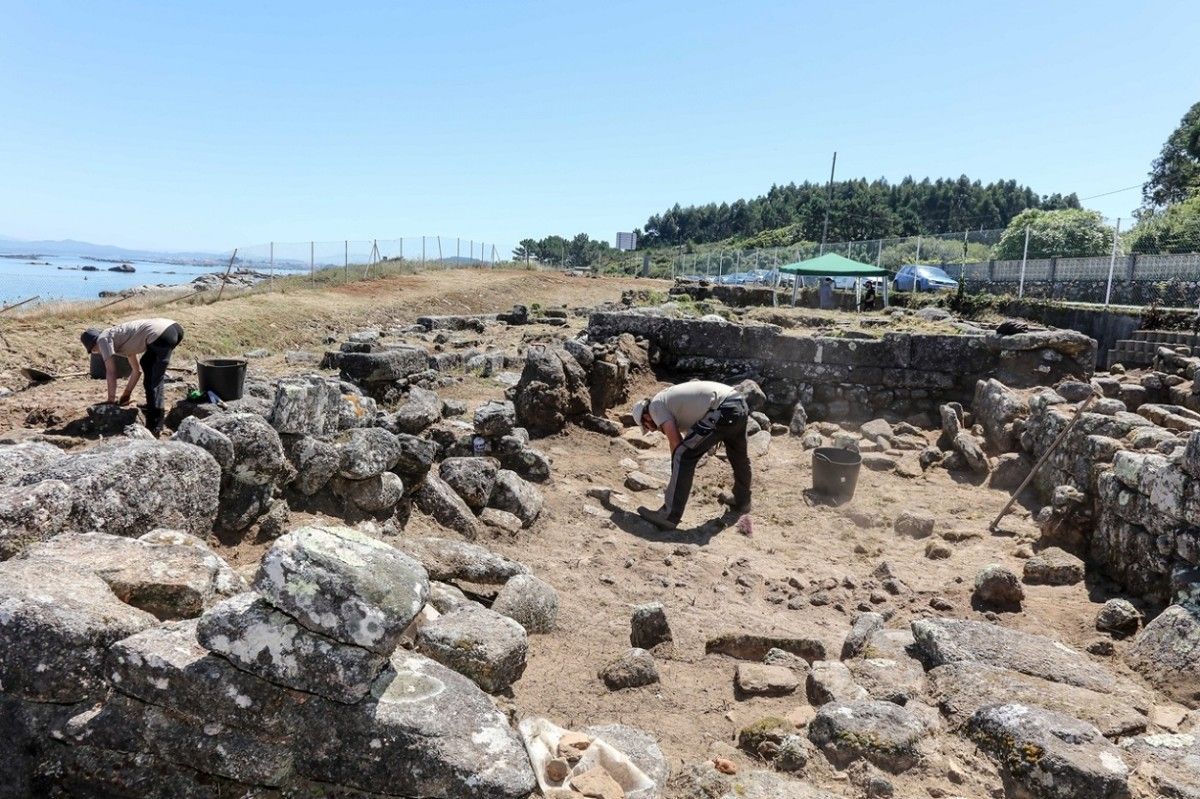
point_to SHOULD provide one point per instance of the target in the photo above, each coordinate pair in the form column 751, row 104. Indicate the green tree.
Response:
column 1066, row 233
column 525, row 251
column 1175, row 229
column 1175, row 174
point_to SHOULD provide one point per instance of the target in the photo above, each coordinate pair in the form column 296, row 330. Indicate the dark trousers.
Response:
column 155, row 361
column 724, row 423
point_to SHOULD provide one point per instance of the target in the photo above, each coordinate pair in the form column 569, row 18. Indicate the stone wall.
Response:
column 838, row 378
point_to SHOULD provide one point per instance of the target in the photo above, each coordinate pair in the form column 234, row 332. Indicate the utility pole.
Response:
column 828, row 202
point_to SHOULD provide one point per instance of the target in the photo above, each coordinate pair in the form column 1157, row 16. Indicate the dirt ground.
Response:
column 604, row 560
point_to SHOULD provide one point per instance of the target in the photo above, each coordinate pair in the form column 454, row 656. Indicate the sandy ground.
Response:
column 711, row 578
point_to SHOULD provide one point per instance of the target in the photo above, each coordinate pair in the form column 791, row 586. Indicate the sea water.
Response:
column 60, row 277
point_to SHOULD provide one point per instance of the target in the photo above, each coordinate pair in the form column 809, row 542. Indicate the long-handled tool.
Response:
column 1083, row 406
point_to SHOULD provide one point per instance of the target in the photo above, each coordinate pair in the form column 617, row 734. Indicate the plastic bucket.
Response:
column 835, row 472
column 96, row 366
column 224, row 377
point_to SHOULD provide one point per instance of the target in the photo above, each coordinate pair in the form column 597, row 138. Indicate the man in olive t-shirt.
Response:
column 695, row 417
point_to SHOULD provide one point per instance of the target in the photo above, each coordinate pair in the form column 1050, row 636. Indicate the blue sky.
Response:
column 218, row 124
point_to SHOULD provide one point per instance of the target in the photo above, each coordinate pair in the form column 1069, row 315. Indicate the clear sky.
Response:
column 189, row 125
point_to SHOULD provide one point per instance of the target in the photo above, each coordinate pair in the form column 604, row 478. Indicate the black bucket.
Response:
column 835, row 472
column 97, row 371
column 222, row 376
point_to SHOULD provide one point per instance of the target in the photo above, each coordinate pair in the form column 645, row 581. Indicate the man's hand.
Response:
column 125, row 399
column 671, row 431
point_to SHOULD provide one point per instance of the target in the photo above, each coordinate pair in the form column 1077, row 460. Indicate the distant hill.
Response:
column 11, row 246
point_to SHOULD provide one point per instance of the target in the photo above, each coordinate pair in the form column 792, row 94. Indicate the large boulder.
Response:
column 258, row 458
column 416, row 457
column 942, row 641
column 530, row 602
column 17, row 460
column 471, row 478
column 171, row 578
column 377, row 495
column 962, row 688
column 882, row 733
column 344, row 585
column 385, row 366
column 29, row 514
column 437, row 499
column 131, row 487
column 255, row 637
column 55, row 625
column 448, row 560
column 314, row 461
column 494, row 419
column 422, row 731
column 1167, row 653
column 166, row 666
column 421, row 409
column 1049, row 755
column 1168, row 765
column 366, row 452
column 479, row 643
column 514, row 494
column 552, row 390
column 306, row 406
column 194, row 431
column 996, row 408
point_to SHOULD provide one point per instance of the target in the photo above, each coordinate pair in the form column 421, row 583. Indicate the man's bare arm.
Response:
column 671, row 431
column 134, row 375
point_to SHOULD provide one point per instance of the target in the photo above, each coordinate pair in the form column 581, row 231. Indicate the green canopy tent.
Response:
column 834, row 265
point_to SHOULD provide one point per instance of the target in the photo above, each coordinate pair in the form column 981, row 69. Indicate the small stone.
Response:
column 572, row 745
column 530, row 602
column 997, row 587
column 649, row 627
column 1118, row 616
column 640, row 481
column 938, row 549
column 914, row 525
column 724, row 765
column 557, row 770
column 633, row 669
column 831, row 681
column 1102, row 647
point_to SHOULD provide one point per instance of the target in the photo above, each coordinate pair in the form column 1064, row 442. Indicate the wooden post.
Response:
column 224, row 279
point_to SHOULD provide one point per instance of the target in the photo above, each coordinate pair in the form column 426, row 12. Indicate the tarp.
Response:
column 833, row 265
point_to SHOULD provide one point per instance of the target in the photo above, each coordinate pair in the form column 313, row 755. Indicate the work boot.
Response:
column 657, row 517
column 725, row 498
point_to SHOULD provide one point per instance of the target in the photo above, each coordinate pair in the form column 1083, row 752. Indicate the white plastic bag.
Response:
column 541, row 738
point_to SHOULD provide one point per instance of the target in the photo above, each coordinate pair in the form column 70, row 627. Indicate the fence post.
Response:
column 271, row 285
column 1112, row 262
column 422, row 252
column 879, row 254
column 312, row 262
column 346, row 260
column 1053, row 274
column 1132, row 268
column 458, row 252
column 443, row 263
column 1024, row 258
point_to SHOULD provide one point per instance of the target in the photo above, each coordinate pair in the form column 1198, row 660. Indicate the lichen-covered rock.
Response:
column 449, row 560
column 436, row 498
column 29, row 514
column 471, row 478
column 882, row 733
column 899, row 681
column 703, row 780
column 377, row 494
column 255, row 637
column 649, row 627
column 421, row 409
column 17, row 460
column 494, row 419
column 1167, row 653
column 1049, row 755
column 384, row 366
column 167, row 667
column 943, row 641
column 306, row 406
column 242, row 504
column 258, row 457
column 169, row 580
column 531, row 464
column 128, row 487
column 423, row 731
column 860, row 631
column 530, row 602
column 355, row 410
column 235, row 753
column 344, row 585
column 831, row 681
column 552, row 390
column 962, row 688
column 1167, row 765
column 366, row 452
column 416, row 458
column 997, row 407
column 313, row 460
column 55, row 625
column 1118, row 616
column 517, row 496
column 478, row 643
column 193, row 431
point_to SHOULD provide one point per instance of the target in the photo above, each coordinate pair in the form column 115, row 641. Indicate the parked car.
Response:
column 925, row 278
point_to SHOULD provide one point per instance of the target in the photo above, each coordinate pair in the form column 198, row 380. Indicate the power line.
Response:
column 1114, row 191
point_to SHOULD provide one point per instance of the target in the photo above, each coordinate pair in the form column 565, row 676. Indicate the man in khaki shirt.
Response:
column 152, row 339
column 695, row 417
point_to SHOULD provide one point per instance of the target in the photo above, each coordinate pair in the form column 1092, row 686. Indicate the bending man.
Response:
column 154, row 340
column 695, row 417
